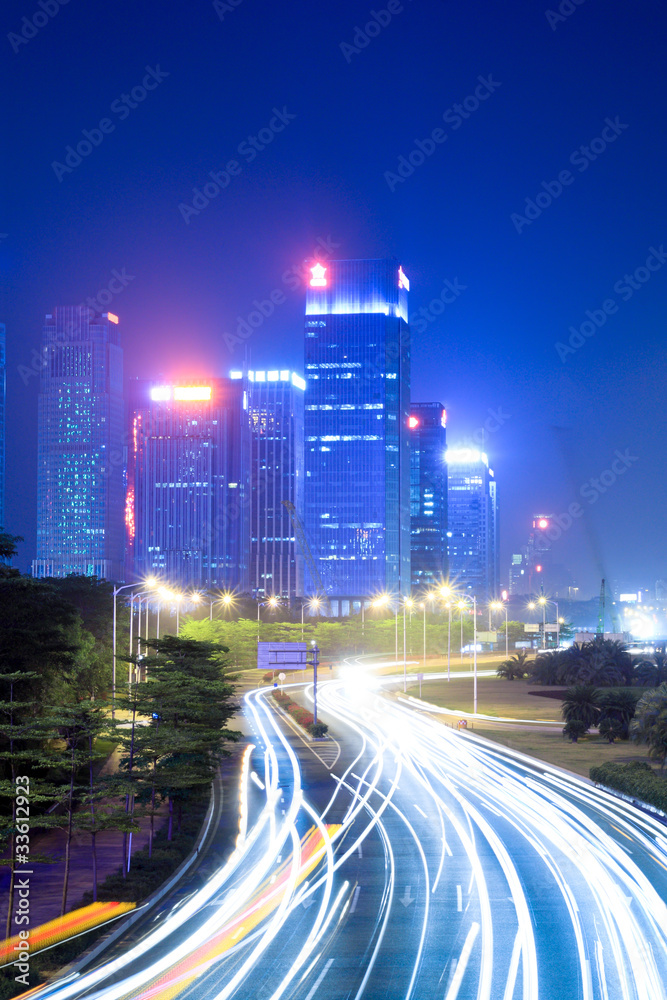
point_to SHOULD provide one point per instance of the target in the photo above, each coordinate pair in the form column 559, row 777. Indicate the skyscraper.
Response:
column 473, row 523
column 357, row 450
column 80, row 447
column 188, row 501
column 428, row 494
column 3, row 418
column 276, row 474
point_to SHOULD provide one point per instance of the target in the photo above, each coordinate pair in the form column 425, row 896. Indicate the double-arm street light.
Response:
column 543, row 601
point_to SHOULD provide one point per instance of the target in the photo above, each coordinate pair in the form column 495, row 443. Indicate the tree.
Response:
column 547, row 668
column 574, row 728
column 188, row 697
column 582, row 704
column 618, row 705
column 651, row 672
column 515, row 667
column 611, row 729
column 649, row 724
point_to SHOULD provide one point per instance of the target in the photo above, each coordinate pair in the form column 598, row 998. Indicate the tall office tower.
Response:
column 428, row 494
column 187, row 507
column 80, row 473
column 357, row 448
column 473, row 523
column 3, row 418
column 276, row 474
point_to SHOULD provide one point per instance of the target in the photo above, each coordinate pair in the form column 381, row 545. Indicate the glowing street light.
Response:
column 501, row 606
column 271, row 602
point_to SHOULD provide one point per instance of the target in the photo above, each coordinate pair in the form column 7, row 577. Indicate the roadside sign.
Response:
column 487, row 636
column 531, row 628
column 274, row 655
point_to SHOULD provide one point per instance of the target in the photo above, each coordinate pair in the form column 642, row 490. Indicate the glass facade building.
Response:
column 3, row 419
column 428, row 494
column 472, row 524
column 188, row 499
column 80, row 491
column 357, row 449
column 276, row 474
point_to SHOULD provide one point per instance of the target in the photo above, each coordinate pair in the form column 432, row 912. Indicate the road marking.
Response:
column 237, row 932
column 361, row 854
column 514, row 968
column 407, row 897
column 319, row 979
column 459, row 898
column 448, row 849
column 420, row 811
column 462, row 964
column 355, row 899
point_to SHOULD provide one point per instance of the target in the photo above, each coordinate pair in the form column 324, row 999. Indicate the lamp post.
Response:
column 313, row 605
column 461, row 605
column 497, row 606
column 407, row 603
column 474, row 646
column 448, row 593
column 272, row 602
column 116, row 592
column 544, row 601
column 423, row 607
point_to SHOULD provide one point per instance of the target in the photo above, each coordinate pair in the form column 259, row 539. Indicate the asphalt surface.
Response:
column 401, row 859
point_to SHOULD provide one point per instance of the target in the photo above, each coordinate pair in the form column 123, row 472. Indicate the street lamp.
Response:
column 407, row 603
column 544, row 601
column 116, row 592
column 474, row 647
column 497, row 606
column 313, row 605
column 461, row 606
column 272, row 602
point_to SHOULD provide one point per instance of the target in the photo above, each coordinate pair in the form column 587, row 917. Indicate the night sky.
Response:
column 342, row 122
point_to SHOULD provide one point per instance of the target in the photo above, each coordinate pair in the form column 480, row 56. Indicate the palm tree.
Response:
column 515, row 667
column 650, row 723
column 574, row 728
column 611, row 729
column 582, row 703
column 618, row 705
column 547, row 668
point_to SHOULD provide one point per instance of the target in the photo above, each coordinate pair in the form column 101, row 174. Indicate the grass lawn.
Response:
column 495, row 696
column 552, row 748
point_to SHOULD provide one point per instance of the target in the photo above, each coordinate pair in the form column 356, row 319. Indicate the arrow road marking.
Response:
column 407, row 897
column 459, row 898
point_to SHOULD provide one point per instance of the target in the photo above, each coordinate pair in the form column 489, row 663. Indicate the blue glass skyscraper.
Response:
column 357, row 450
column 276, row 474
column 428, row 494
column 473, row 524
column 3, row 420
column 80, row 491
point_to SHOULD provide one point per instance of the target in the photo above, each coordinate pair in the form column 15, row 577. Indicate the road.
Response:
column 402, row 859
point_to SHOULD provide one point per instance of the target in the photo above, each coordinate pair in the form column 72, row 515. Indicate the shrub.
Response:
column 318, row 729
column 636, row 779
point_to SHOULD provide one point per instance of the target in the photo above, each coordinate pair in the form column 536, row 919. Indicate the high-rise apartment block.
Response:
column 188, row 499
column 276, row 399
column 80, row 447
column 473, row 524
column 357, row 448
column 428, row 494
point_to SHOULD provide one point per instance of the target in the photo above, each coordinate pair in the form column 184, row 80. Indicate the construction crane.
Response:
column 602, row 616
column 307, row 554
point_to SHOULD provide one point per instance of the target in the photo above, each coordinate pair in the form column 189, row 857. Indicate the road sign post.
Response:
column 315, row 663
column 420, row 678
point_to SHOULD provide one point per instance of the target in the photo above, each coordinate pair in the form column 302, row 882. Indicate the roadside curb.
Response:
column 207, row 830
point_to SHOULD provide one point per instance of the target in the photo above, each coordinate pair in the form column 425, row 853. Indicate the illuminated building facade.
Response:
column 80, row 490
column 428, row 494
column 276, row 474
column 472, row 524
column 3, row 419
column 357, row 447
column 187, row 505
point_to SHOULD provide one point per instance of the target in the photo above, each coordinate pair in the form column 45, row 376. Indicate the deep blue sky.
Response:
column 324, row 176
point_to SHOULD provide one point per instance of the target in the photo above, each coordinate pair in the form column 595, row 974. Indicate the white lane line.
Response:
column 319, row 979
column 459, row 898
column 514, row 968
column 361, row 854
column 420, row 811
column 461, row 965
column 355, row 899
